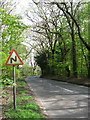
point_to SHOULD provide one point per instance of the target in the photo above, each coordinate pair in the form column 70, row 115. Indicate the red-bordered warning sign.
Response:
column 14, row 59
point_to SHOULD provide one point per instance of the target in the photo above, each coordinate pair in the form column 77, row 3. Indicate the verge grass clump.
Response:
column 25, row 111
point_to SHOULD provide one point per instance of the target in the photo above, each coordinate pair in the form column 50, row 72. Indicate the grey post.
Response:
column 14, row 88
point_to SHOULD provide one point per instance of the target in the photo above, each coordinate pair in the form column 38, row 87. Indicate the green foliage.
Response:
column 42, row 61
column 61, row 61
column 37, row 71
column 12, row 38
column 7, row 81
column 26, row 70
column 12, row 30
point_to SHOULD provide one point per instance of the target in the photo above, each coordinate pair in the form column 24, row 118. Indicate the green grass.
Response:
column 25, row 98
column 26, row 107
column 21, row 84
column 30, row 110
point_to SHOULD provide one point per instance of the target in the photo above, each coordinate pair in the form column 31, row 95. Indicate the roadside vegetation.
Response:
column 11, row 31
column 26, row 105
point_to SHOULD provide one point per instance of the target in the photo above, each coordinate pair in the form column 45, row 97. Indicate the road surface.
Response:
column 60, row 99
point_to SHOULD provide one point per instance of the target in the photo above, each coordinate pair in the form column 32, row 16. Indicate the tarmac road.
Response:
column 60, row 99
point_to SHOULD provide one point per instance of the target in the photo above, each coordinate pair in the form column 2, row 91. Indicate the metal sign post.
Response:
column 14, row 88
column 14, row 59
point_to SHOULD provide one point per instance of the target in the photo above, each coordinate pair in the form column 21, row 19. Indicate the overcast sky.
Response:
column 23, row 5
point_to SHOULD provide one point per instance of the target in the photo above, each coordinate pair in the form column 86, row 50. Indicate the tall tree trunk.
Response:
column 53, row 73
column 73, row 45
column 74, row 52
column 53, row 51
column 86, row 61
column 88, row 64
column 81, row 66
column 89, row 39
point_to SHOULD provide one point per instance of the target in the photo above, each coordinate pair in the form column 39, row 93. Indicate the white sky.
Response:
column 23, row 5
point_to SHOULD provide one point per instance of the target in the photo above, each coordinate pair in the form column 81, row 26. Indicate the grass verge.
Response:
column 26, row 107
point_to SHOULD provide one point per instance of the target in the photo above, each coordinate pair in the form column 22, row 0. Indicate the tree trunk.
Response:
column 74, row 52
column 89, row 39
column 68, row 71
column 88, row 64
column 42, row 71
column 53, row 73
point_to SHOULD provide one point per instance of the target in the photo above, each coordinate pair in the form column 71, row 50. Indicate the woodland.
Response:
column 58, row 35
column 62, row 38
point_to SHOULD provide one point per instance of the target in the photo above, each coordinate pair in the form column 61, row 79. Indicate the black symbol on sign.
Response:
column 12, row 59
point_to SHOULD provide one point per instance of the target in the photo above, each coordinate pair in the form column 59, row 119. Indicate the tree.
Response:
column 49, row 28
column 12, row 38
column 65, row 10
column 41, row 60
column 53, row 21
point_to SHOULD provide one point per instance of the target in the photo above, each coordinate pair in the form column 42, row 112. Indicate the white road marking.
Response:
column 66, row 89
column 62, row 88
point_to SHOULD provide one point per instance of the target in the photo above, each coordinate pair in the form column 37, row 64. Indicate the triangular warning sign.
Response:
column 14, row 59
